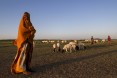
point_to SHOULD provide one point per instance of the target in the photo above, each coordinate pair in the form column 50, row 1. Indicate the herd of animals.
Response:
column 70, row 47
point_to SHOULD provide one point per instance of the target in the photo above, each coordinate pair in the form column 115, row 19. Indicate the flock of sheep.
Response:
column 70, row 47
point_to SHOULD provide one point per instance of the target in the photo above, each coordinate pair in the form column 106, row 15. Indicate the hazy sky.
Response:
column 60, row 19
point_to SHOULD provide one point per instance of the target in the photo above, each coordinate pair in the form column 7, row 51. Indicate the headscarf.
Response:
column 25, row 32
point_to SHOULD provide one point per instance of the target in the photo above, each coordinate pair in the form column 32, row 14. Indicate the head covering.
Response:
column 25, row 31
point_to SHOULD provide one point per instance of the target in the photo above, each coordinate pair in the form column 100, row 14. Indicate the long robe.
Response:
column 24, row 43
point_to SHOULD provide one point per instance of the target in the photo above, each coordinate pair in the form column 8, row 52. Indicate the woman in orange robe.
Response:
column 24, row 43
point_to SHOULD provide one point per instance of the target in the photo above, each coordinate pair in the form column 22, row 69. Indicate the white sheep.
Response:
column 103, row 40
column 58, row 46
column 96, row 41
column 67, row 48
column 73, row 45
column 81, row 46
column 44, row 41
column 87, row 41
column 54, row 47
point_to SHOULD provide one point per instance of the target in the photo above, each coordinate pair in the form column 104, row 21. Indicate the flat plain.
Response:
column 97, row 61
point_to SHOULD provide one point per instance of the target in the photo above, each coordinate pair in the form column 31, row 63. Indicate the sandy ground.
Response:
column 97, row 61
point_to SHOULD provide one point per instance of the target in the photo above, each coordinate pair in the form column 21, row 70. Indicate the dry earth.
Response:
column 97, row 61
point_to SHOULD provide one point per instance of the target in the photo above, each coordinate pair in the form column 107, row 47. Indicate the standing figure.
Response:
column 109, row 40
column 92, row 40
column 24, row 43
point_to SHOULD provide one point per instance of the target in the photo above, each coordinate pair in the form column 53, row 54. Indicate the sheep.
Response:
column 58, row 46
column 54, row 47
column 70, row 47
column 65, row 41
column 44, row 41
column 96, row 41
column 62, row 41
column 103, row 40
column 87, row 41
column 81, row 46
column 67, row 48
column 52, row 41
column 75, row 41
column 73, row 45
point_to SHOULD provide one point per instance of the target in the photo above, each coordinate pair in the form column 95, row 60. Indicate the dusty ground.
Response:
column 97, row 61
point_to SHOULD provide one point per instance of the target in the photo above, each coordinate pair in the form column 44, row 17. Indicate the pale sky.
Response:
column 61, row 19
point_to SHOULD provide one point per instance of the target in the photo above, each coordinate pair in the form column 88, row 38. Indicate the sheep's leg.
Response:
column 54, row 50
column 66, row 50
column 70, row 50
column 79, row 47
column 75, row 49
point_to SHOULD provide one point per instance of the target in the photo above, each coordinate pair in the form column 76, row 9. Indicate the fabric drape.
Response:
column 24, row 43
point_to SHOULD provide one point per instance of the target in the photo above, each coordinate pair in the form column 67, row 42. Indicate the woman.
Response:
column 24, row 43
column 109, row 40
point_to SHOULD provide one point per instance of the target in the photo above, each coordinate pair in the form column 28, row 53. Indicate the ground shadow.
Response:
column 46, row 67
